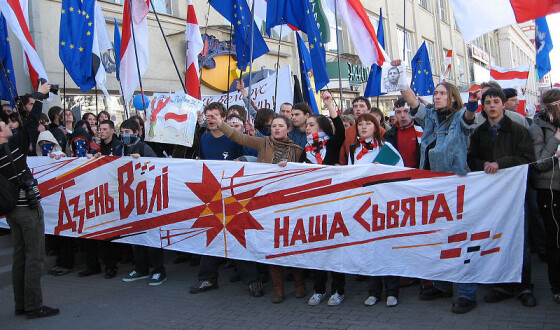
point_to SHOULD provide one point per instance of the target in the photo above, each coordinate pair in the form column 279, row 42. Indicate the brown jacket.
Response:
column 264, row 145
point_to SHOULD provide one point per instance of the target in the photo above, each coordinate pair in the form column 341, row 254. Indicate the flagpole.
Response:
column 11, row 86
column 135, row 53
column 96, row 98
column 251, row 55
column 404, row 31
column 206, row 33
column 277, row 67
column 64, row 87
column 168, row 48
column 338, row 54
column 229, row 65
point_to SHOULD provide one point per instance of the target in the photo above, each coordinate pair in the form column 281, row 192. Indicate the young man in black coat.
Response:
column 496, row 144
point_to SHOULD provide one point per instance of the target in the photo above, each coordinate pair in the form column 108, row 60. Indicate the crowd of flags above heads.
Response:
column 84, row 35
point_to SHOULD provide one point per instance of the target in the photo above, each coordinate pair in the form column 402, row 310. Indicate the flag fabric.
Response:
column 15, row 17
column 360, row 29
column 76, row 41
column 101, row 43
column 373, row 86
column 128, row 71
column 260, row 16
column 7, row 76
column 422, row 81
column 477, row 17
column 299, row 14
column 194, row 47
column 239, row 15
column 510, row 78
column 305, row 68
column 298, row 95
column 543, row 44
column 447, row 65
column 117, row 49
column 522, row 101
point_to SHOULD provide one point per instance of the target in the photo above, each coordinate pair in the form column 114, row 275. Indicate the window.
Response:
column 425, row 4
column 443, row 11
column 431, row 54
column 162, row 6
column 461, row 70
column 450, row 75
column 403, row 36
column 342, row 42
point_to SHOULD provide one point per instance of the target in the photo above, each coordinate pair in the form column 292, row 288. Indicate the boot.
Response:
column 277, row 275
column 299, row 279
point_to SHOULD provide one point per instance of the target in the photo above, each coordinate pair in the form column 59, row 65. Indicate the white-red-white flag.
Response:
column 12, row 10
column 361, row 31
column 477, row 17
column 447, row 65
column 129, row 70
column 510, row 78
column 194, row 48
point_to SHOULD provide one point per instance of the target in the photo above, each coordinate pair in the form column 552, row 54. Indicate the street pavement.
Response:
column 98, row 303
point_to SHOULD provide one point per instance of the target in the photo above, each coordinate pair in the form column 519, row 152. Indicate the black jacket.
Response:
column 392, row 136
column 139, row 147
column 113, row 148
column 513, row 146
column 58, row 135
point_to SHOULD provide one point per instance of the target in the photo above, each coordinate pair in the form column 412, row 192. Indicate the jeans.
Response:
column 209, row 265
column 465, row 290
column 549, row 205
column 391, row 286
column 320, row 285
column 28, row 236
column 144, row 256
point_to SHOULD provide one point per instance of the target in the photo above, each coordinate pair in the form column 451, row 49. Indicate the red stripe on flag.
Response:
column 497, row 75
column 479, row 236
column 451, row 253
column 457, row 238
column 494, row 250
column 16, row 7
column 360, row 10
column 191, row 15
column 529, row 9
column 176, row 117
column 193, row 85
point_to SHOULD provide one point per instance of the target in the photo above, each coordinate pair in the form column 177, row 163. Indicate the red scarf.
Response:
column 316, row 146
column 366, row 147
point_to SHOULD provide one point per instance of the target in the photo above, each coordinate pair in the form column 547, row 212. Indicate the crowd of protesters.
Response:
column 447, row 135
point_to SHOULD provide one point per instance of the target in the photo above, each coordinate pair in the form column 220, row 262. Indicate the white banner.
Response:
column 171, row 118
column 262, row 93
column 364, row 219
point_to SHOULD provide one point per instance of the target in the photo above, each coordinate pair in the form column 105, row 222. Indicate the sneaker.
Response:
column 42, row 312
column 370, row 301
column 316, row 299
column 256, row 288
column 432, row 293
column 557, row 298
column 392, row 301
column 496, row 296
column 336, row 299
column 528, row 299
column 157, row 279
column 135, row 276
column 205, row 285
column 463, row 305
column 89, row 272
column 19, row 312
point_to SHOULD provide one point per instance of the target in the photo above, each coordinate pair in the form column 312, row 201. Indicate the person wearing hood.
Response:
column 274, row 149
column 47, row 145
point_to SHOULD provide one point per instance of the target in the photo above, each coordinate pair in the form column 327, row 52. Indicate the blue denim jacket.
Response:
column 450, row 152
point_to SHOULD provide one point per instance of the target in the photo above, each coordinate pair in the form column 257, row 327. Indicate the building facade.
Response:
column 407, row 24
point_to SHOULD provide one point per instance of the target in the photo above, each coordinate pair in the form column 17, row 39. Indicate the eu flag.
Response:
column 239, row 14
column 117, row 48
column 76, row 41
column 299, row 14
column 543, row 44
column 305, row 67
column 7, row 77
column 422, row 81
column 373, row 87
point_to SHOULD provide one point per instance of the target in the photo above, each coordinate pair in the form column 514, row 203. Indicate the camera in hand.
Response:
column 31, row 192
column 54, row 87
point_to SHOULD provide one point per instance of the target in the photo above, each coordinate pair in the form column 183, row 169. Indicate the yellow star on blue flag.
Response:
column 422, row 79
